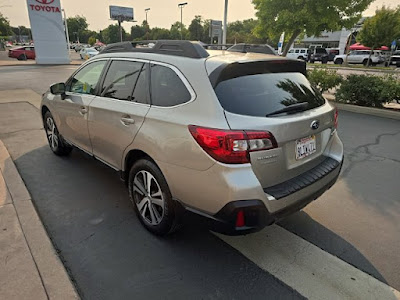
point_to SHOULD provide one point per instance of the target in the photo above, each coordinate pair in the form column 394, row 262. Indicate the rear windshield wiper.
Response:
column 291, row 108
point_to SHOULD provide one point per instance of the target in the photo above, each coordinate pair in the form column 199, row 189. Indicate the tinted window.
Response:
column 297, row 51
column 141, row 92
column 167, row 89
column 120, row 79
column 85, row 81
column 291, row 51
column 261, row 94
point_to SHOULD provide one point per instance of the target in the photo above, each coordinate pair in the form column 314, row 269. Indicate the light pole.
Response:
column 146, row 11
column 66, row 31
column 181, row 6
column 225, row 23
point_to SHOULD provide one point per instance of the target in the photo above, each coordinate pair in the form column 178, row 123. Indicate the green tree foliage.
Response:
column 175, row 31
column 111, row 34
column 305, row 16
column 381, row 29
column 92, row 40
column 76, row 27
column 242, row 32
column 324, row 79
column 196, row 30
column 5, row 28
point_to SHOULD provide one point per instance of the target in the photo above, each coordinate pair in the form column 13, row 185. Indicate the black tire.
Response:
column 339, row 61
column 312, row 61
column 168, row 215
column 324, row 61
column 22, row 57
column 301, row 57
column 56, row 142
column 365, row 62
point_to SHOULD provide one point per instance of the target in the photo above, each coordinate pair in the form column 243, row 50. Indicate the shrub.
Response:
column 368, row 90
column 324, row 79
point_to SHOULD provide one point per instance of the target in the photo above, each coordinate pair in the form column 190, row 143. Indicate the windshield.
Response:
column 262, row 94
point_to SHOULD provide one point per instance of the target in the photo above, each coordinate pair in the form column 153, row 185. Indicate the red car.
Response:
column 22, row 53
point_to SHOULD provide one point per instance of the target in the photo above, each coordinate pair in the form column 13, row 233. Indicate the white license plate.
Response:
column 305, row 147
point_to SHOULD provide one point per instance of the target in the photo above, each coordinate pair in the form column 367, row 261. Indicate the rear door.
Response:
column 256, row 90
column 117, row 114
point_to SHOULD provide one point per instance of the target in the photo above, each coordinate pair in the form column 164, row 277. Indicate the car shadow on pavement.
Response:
column 87, row 213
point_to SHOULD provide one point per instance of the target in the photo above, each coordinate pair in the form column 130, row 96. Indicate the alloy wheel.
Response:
column 149, row 198
column 52, row 134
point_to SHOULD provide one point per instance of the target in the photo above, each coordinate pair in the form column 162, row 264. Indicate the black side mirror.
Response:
column 58, row 88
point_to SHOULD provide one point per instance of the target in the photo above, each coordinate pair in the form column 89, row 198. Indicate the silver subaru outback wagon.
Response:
column 240, row 139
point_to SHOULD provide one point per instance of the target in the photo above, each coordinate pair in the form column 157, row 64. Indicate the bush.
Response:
column 324, row 79
column 368, row 90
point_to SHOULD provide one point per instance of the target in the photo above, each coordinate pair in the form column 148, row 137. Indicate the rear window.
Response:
column 262, row 94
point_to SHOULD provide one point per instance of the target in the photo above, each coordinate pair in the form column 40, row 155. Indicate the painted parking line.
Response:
column 312, row 272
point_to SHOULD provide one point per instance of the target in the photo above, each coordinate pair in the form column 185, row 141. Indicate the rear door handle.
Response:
column 83, row 110
column 127, row 121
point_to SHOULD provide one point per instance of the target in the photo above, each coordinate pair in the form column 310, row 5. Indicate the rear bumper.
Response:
column 257, row 216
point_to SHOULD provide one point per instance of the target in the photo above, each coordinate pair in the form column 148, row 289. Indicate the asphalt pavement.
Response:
column 86, row 211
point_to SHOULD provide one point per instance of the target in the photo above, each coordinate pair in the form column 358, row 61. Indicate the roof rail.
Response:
column 168, row 47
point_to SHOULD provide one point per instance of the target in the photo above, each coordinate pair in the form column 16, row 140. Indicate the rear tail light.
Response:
column 232, row 146
column 336, row 118
column 240, row 219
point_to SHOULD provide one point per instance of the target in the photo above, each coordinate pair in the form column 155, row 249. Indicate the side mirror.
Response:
column 58, row 89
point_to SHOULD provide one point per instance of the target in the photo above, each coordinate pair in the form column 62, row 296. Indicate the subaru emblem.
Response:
column 315, row 124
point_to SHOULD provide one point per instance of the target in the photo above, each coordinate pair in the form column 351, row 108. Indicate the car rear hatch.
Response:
column 275, row 96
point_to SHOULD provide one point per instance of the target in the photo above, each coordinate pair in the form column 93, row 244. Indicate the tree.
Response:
column 76, row 26
column 111, row 34
column 92, row 40
column 175, row 31
column 305, row 16
column 381, row 29
column 5, row 28
column 157, row 33
column 196, row 29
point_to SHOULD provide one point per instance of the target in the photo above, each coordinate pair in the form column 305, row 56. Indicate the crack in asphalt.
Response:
column 354, row 156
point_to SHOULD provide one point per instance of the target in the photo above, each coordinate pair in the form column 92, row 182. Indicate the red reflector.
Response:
column 240, row 219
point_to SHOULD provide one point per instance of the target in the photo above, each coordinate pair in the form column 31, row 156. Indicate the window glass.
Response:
column 120, row 79
column 85, row 81
column 303, row 51
column 141, row 92
column 297, row 51
column 167, row 89
column 291, row 51
column 261, row 94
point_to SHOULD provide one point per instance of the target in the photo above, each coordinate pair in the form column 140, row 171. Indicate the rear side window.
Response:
column 262, row 94
column 167, row 89
column 141, row 92
column 120, row 79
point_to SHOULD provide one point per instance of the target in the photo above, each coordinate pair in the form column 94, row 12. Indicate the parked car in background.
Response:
column 358, row 57
column 240, row 139
column 79, row 47
column 393, row 59
column 298, row 53
column 332, row 53
column 252, row 48
column 22, row 53
column 318, row 54
column 87, row 53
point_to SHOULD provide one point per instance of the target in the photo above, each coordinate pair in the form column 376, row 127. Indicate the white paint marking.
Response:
column 306, row 268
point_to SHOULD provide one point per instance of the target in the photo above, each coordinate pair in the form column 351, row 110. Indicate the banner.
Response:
column 280, row 44
column 48, row 31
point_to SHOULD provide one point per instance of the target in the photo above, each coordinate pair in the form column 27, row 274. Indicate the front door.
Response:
column 117, row 114
column 73, row 110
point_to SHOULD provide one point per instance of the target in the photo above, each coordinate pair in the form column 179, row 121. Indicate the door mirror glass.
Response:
column 58, row 88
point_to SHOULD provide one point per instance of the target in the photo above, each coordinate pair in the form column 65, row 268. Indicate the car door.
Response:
column 117, row 114
column 73, row 110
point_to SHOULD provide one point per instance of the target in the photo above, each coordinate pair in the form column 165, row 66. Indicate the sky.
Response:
column 162, row 14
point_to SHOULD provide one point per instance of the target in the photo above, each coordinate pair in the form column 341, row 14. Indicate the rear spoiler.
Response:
column 239, row 69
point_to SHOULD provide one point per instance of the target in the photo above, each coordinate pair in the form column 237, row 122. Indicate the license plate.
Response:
column 305, row 147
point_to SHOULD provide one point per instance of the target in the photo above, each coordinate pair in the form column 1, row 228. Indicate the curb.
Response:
column 383, row 113
column 51, row 270
column 393, row 71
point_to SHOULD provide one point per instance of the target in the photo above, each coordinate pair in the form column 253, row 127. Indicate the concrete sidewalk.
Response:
column 29, row 265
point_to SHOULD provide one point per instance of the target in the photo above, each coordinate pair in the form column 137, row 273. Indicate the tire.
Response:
column 324, row 61
column 56, row 142
column 312, row 61
column 158, row 213
column 339, row 61
column 301, row 57
column 22, row 57
column 365, row 62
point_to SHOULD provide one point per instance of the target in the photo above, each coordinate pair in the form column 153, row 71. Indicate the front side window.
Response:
column 297, row 51
column 85, row 81
column 120, row 79
column 291, row 51
column 167, row 89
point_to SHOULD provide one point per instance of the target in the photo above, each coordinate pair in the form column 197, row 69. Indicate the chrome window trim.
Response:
column 182, row 78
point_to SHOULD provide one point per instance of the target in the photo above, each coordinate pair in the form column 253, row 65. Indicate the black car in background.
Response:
column 252, row 48
column 318, row 54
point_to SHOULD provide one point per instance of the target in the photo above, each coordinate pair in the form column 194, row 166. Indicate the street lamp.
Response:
column 181, row 6
column 225, row 23
column 66, row 31
column 146, row 11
